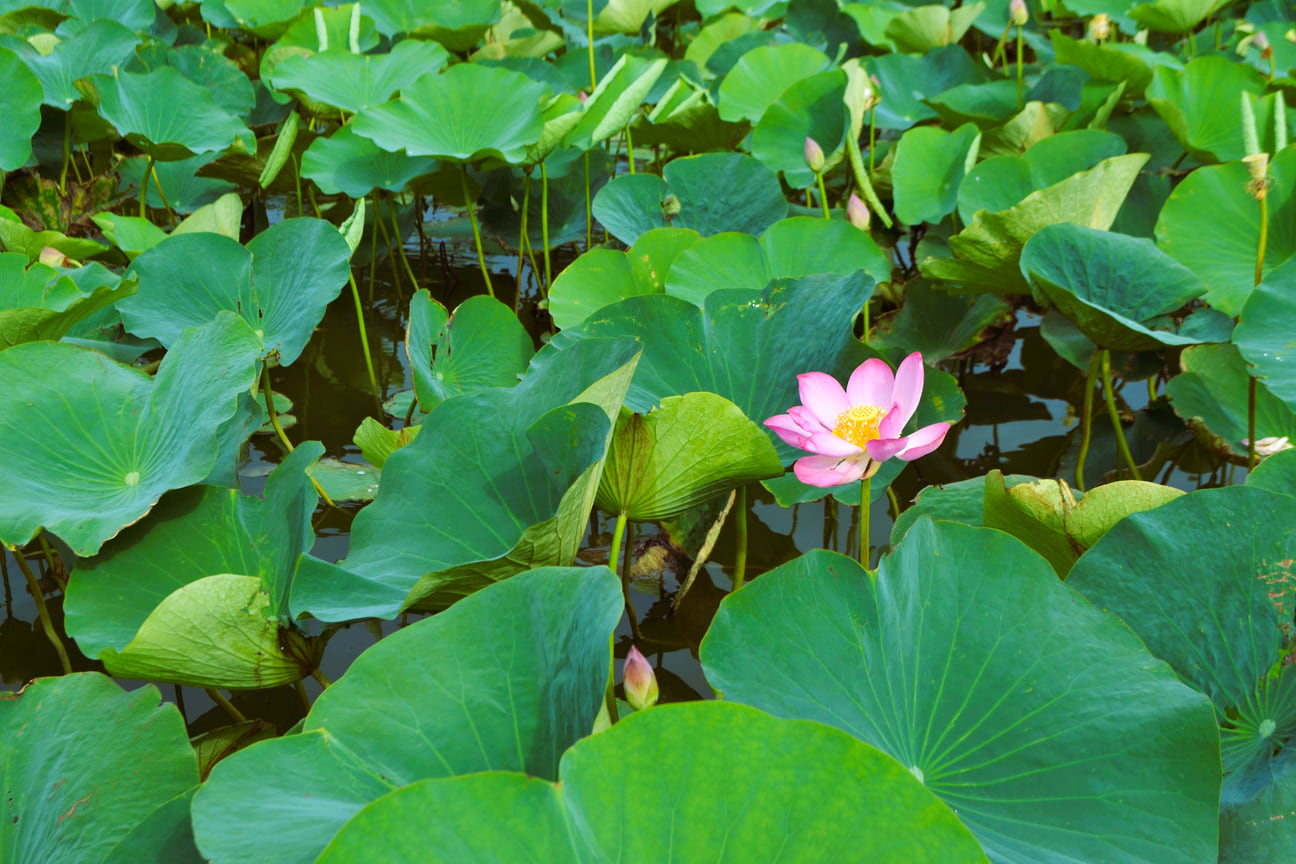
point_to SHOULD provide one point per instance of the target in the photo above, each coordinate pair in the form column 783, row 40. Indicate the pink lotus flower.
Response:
column 853, row 431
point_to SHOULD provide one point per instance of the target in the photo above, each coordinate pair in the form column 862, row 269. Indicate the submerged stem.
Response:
column 1110, row 395
column 740, row 539
column 472, row 220
column 1086, row 419
column 42, row 611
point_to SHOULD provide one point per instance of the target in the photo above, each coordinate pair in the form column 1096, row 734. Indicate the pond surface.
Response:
column 1022, row 401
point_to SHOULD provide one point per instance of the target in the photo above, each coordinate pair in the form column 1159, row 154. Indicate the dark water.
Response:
column 1020, row 419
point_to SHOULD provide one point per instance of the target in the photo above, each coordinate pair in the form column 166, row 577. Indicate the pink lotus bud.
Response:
column 640, row 682
column 1261, row 41
column 1018, row 14
column 580, row 94
column 857, row 213
column 52, row 257
column 814, row 155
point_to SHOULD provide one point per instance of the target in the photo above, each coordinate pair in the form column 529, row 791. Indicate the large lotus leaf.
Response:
column 714, row 192
column 280, row 284
column 168, row 116
column 354, row 165
column 744, row 345
column 692, row 449
column 962, row 501
column 497, row 481
column 1265, row 333
column 417, row 705
column 204, row 65
column 20, row 106
column 481, row 345
column 1200, row 105
column 685, row 119
column 100, row 47
column 1107, row 64
column 1219, row 612
column 1173, row 16
column 1000, row 182
column 988, row 251
column 40, row 303
column 1212, row 391
column 754, row 788
column 919, row 30
column 929, row 167
column 194, row 533
column 807, row 246
column 1118, row 290
column 601, row 276
column 85, row 764
column 619, row 95
column 456, row 24
column 906, row 80
column 727, row 260
column 938, row 324
column 1211, row 224
column 135, row 14
column 351, row 82
column 101, row 442
column 989, row 105
column 265, row 18
column 1259, row 830
column 442, row 115
column 1041, row 721
column 1277, row 473
column 762, row 75
column 812, row 107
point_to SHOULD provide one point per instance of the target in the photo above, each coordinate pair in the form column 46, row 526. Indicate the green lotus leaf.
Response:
column 968, row 662
column 133, row 235
column 987, row 106
column 154, row 603
column 1211, row 391
column 101, row 441
column 458, row 25
column 416, row 705
column 812, row 107
column 17, row 237
column 601, row 277
column 20, row 106
column 1265, row 335
column 100, row 47
column 39, row 302
column 134, row 14
column 620, row 93
column 743, row 345
column 762, row 75
column 168, row 116
column 1200, row 105
column 686, row 119
column 377, row 442
column 1113, row 63
column 1173, row 16
column 1001, row 182
column 1277, row 473
column 805, row 246
column 988, row 251
column 481, row 345
column 714, row 192
column 937, row 324
column 265, row 18
column 727, row 260
column 227, row 83
column 353, row 165
column 1211, row 225
column 1046, row 517
column 223, row 216
column 346, row 481
column 812, row 794
column 962, row 501
column 521, row 465
column 692, row 449
column 185, row 191
column 280, row 284
column 303, row 32
column 627, row 16
column 923, row 28
column 352, row 82
column 69, row 811
column 907, row 80
column 441, row 115
column 1120, row 291
column 1219, row 612
column 930, row 165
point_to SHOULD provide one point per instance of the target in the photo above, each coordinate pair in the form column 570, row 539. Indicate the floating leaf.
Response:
column 972, row 665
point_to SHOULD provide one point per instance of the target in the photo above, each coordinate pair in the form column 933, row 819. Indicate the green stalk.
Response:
column 364, row 341
column 866, row 494
column 740, row 539
column 279, row 430
column 301, row 210
column 895, row 505
column 873, row 139
column 544, row 224
column 1263, row 200
column 228, row 706
column 373, row 247
column 623, row 570
column 823, row 195
column 1251, row 423
column 400, row 246
column 1086, row 419
column 472, row 220
column 67, row 151
column 1019, row 68
column 144, row 188
column 1264, row 236
column 42, row 611
column 391, row 253
column 522, row 238
column 630, row 149
column 1110, row 395
column 589, row 35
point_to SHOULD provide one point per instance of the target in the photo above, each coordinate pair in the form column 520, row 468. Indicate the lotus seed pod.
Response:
column 670, row 206
column 814, row 155
column 857, row 213
column 640, row 682
column 1018, row 14
column 1100, row 28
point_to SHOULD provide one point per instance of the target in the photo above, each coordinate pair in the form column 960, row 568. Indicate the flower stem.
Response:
column 740, row 539
column 1019, row 68
column 630, row 149
column 589, row 35
column 144, row 181
column 1086, row 418
column 1264, row 238
column 895, row 505
column 1251, row 423
column 865, row 552
column 823, row 195
column 526, row 201
column 42, row 611
column 544, row 225
column 1110, row 395
column 472, row 220
column 623, row 571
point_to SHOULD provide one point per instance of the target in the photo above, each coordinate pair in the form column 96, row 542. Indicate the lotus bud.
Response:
column 1290, row 35
column 1018, row 14
column 670, row 206
column 1261, row 41
column 814, row 155
column 1100, row 28
column 857, row 213
column 640, row 682
column 51, row 257
column 582, row 96
column 1266, row 447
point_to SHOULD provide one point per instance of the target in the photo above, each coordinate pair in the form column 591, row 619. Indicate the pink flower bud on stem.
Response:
column 640, row 682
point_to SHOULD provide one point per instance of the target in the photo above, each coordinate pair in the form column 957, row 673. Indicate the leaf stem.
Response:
column 1251, row 423
column 544, row 224
column 472, row 220
column 318, row 674
column 144, row 187
column 1086, row 418
column 47, row 623
column 400, row 246
column 364, row 341
column 1110, row 395
column 589, row 218
column 279, row 430
column 526, row 201
column 630, row 149
column 1019, row 68
column 865, row 551
column 823, row 195
column 67, row 151
column 235, row 714
column 740, row 539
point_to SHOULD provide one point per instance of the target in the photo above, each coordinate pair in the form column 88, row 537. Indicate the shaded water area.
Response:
column 1022, row 400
